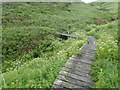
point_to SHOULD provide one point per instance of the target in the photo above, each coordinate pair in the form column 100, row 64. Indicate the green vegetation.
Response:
column 105, row 71
column 79, row 52
column 105, row 66
column 33, row 52
column 41, row 72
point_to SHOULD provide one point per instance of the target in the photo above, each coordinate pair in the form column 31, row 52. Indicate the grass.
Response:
column 79, row 52
column 104, row 70
column 42, row 71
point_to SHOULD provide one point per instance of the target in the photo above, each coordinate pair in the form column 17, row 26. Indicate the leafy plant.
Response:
column 79, row 52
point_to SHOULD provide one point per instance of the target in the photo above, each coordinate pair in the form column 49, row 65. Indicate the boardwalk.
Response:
column 76, row 73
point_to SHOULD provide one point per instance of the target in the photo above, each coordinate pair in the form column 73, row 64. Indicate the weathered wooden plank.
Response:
column 88, row 51
column 74, row 81
column 70, row 70
column 80, row 60
column 85, row 67
column 91, row 54
column 80, row 78
column 56, row 86
column 88, row 47
column 75, row 56
column 79, row 70
column 87, row 62
column 66, row 36
column 85, row 56
column 66, row 84
column 88, row 56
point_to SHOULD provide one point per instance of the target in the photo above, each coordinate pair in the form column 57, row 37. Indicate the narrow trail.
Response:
column 77, row 71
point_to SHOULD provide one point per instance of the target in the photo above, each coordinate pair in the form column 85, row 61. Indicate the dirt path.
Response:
column 76, row 73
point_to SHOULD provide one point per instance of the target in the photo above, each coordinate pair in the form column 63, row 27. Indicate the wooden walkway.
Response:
column 76, row 73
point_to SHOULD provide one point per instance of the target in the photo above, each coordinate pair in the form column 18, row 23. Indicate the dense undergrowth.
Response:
column 41, row 72
column 105, row 66
column 25, row 29
column 33, row 54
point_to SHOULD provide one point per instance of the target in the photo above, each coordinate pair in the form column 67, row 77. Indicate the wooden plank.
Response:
column 80, row 78
column 76, row 72
column 79, row 65
column 66, row 36
column 56, row 86
column 80, row 60
column 74, row 81
column 66, row 84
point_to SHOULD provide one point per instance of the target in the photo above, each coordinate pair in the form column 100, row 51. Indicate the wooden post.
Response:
column 69, row 30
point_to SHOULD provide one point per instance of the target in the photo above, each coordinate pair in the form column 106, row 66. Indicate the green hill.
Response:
column 31, row 43
column 111, row 7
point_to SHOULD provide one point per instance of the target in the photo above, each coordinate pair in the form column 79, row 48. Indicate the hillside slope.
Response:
column 25, row 29
column 111, row 7
column 30, row 41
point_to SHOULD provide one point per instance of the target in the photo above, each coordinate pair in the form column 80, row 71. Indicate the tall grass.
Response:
column 104, row 70
column 41, row 72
